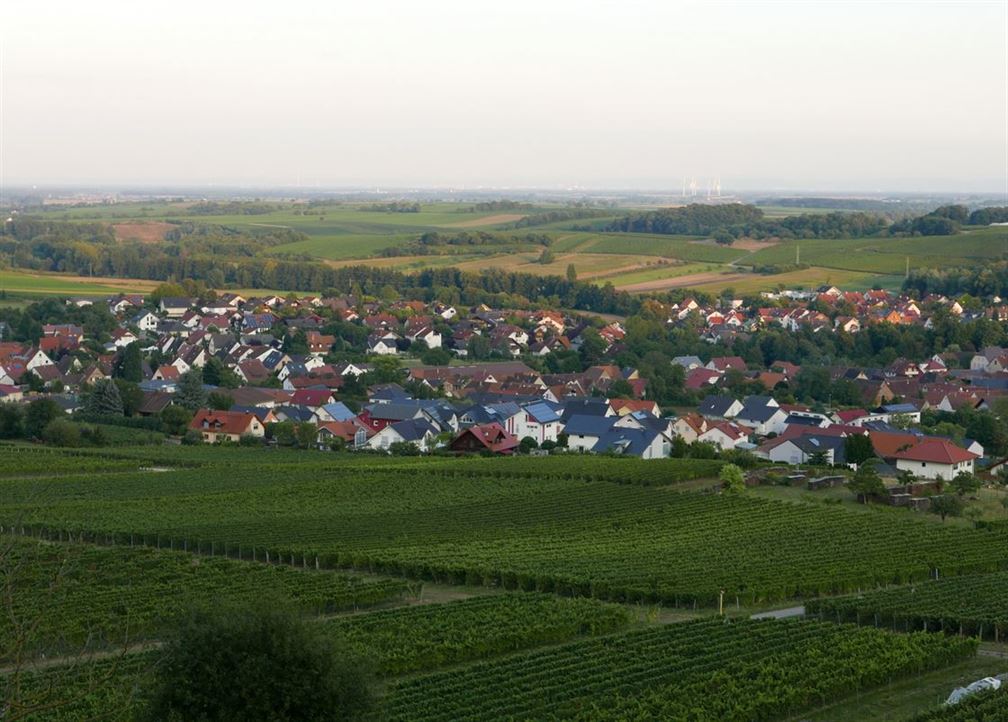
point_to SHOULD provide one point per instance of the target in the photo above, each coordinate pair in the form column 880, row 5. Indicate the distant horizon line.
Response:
column 320, row 188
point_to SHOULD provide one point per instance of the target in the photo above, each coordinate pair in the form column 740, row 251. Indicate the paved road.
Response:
column 781, row 613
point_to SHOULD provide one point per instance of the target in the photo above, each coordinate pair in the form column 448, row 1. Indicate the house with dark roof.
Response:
column 538, row 420
column 644, row 443
column 762, row 414
column 585, row 432
column 480, row 438
column 720, row 406
column 418, row 431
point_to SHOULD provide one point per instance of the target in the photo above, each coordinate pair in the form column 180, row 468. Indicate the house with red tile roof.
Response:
column 484, row 437
column 217, row 426
column 934, row 458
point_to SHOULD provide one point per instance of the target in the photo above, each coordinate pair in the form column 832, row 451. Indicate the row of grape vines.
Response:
column 974, row 605
column 703, row 670
column 107, row 689
column 71, row 595
column 990, row 706
column 582, row 538
column 425, row 637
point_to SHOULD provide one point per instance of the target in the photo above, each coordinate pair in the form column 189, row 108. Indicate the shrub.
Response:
column 255, row 664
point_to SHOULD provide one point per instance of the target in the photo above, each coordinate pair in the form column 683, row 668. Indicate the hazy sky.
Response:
column 814, row 95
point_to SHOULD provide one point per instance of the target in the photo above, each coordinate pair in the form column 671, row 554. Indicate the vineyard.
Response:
column 103, row 689
column 983, row 707
column 555, row 532
column 72, row 596
column 409, row 639
column 973, row 605
column 704, row 670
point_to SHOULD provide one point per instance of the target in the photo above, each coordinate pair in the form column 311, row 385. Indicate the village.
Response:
column 436, row 377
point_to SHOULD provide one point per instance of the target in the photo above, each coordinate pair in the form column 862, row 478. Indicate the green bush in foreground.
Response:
column 255, row 664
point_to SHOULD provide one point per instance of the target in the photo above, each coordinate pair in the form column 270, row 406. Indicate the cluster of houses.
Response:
column 825, row 309
column 492, row 406
column 484, row 422
column 795, row 434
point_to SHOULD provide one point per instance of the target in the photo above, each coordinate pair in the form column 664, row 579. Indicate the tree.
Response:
column 620, row 389
column 973, row 513
column 11, row 421
column 964, row 483
column 435, row 357
column 546, row 257
column 131, row 395
column 593, row 346
column 571, row 273
column 38, row 415
column 255, row 665
column 34, row 382
column 818, row 458
column 732, row 479
column 105, row 399
column 858, row 448
column 1001, row 477
column 906, row 477
column 215, row 373
column 478, row 347
column 61, row 432
column 404, row 448
column 130, row 364
column 191, row 394
column 306, row 434
column 220, row 401
column 866, row 482
column 946, row 505
column 175, row 419
column 527, row 444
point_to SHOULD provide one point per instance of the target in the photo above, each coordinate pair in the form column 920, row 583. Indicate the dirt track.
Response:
column 488, row 220
column 143, row 231
column 693, row 279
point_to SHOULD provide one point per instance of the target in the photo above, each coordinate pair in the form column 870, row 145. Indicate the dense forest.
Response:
column 990, row 280
column 730, row 221
column 693, row 220
column 986, row 216
column 392, row 207
column 561, row 214
column 443, row 243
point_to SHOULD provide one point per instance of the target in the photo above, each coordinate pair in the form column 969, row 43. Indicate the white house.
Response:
column 384, row 345
column 724, row 435
column 145, row 321
column 537, row 420
column 412, row 431
column 934, row 458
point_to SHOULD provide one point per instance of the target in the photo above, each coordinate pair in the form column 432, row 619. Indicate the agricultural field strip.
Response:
column 612, row 541
column 974, row 605
column 425, row 637
column 712, row 669
column 82, row 595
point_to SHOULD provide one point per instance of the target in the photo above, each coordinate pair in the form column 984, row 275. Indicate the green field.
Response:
column 561, row 528
column 105, row 554
column 348, row 232
column 53, row 284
